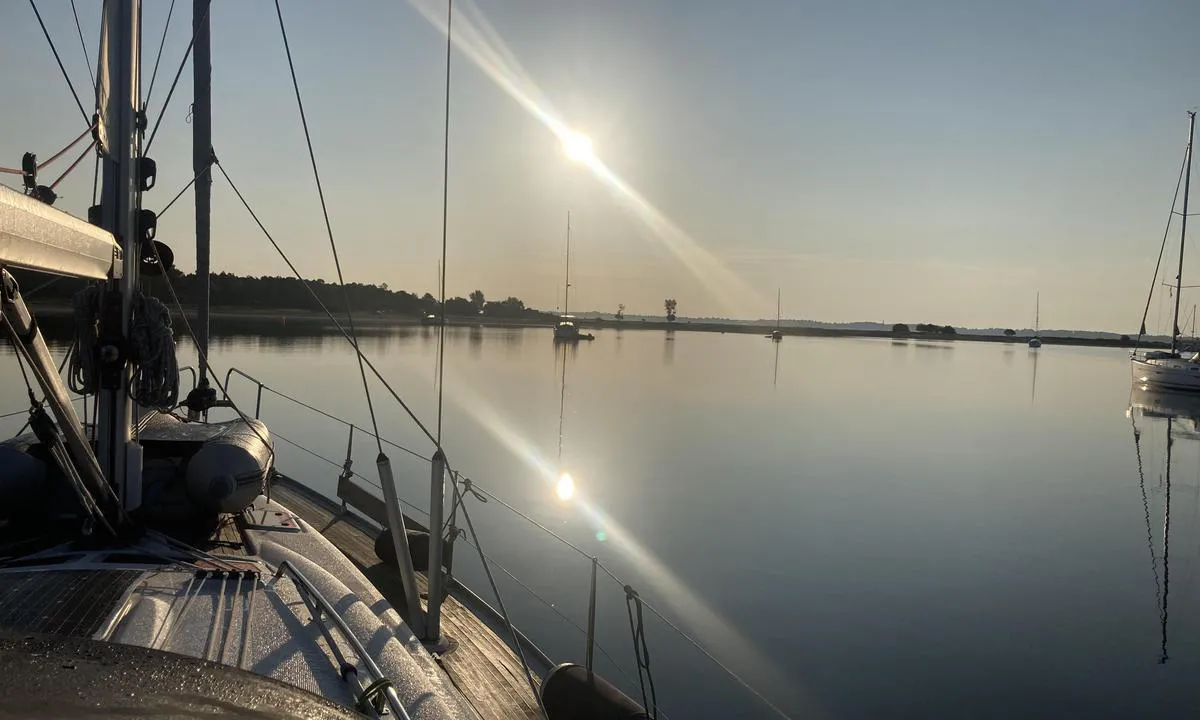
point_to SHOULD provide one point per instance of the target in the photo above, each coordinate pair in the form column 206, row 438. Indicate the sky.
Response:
column 927, row 161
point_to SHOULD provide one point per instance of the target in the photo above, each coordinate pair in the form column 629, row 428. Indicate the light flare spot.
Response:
column 565, row 488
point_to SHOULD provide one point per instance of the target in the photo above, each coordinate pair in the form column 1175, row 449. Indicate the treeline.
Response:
column 288, row 293
column 924, row 328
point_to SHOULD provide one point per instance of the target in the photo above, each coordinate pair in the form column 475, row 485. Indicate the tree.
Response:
column 948, row 330
column 899, row 329
column 1125, row 340
column 477, row 301
column 1010, row 332
column 670, row 304
column 621, row 311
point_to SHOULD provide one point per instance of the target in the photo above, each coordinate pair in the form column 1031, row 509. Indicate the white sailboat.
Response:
column 565, row 330
column 777, row 334
column 1035, row 341
column 1170, row 369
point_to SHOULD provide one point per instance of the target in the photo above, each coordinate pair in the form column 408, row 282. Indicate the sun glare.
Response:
column 577, row 146
column 565, row 487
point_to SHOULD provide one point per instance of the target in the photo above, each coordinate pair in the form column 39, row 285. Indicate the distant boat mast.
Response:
column 567, row 291
column 1187, row 183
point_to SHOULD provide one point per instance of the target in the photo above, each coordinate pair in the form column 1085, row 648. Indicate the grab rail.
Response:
column 306, row 586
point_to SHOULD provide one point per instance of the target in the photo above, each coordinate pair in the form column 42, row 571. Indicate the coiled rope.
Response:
column 155, row 381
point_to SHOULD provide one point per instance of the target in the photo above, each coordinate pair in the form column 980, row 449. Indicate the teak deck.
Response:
column 479, row 663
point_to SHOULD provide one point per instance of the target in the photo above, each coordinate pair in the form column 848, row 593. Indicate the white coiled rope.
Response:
column 155, row 381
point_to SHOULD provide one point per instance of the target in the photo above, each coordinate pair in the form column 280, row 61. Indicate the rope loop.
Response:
column 367, row 701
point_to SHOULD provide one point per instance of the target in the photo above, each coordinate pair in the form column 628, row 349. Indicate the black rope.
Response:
column 82, row 43
column 161, row 44
column 312, row 156
column 1161, row 249
column 54, row 50
column 641, row 651
column 445, row 215
column 166, row 103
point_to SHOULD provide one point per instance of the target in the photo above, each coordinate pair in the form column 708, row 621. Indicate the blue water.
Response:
column 859, row 528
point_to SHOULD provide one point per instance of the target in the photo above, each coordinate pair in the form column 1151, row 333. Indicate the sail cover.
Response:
column 34, row 235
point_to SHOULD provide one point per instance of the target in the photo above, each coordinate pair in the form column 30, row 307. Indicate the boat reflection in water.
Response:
column 1179, row 414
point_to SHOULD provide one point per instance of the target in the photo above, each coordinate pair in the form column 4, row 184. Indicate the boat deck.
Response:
column 481, row 665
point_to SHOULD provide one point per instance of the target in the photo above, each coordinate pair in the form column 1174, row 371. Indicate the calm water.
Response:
column 861, row 528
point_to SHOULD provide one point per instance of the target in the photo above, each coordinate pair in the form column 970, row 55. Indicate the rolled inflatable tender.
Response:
column 570, row 692
column 231, row 468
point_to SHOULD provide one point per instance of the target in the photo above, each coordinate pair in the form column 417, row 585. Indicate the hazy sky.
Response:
column 913, row 161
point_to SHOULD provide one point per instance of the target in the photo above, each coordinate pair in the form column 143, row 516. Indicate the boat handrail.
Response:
column 469, row 488
column 307, row 588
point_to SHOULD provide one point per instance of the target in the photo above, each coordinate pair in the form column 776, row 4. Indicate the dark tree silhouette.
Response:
column 621, row 311
column 1010, row 332
column 899, row 329
column 949, row 330
column 478, row 301
column 283, row 293
column 670, row 305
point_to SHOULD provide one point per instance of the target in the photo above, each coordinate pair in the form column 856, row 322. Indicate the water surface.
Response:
column 861, row 528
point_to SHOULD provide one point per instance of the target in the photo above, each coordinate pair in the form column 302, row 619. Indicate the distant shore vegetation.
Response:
column 266, row 292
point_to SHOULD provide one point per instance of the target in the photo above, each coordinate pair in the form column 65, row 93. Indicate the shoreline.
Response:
column 376, row 321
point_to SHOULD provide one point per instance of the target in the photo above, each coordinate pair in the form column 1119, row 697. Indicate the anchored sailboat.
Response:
column 566, row 330
column 777, row 334
column 1170, row 369
column 1035, row 341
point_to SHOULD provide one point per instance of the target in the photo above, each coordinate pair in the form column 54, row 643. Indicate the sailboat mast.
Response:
column 1187, row 181
column 778, row 307
column 118, row 97
column 567, row 290
column 1037, row 312
column 201, row 161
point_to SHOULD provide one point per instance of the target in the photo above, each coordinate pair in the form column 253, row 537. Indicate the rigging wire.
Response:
column 171, row 92
column 445, row 215
column 1161, row 249
column 312, row 156
column 184, row 189
column 82, row 42
column 161, row 44
column 487, row 569
column 204, row 356
column 328, row 314
column 58, row 59
column 696, row 644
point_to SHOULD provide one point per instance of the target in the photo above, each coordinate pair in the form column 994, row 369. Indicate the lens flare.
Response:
column 578, row 147
column 475, row 37
column 565, row 488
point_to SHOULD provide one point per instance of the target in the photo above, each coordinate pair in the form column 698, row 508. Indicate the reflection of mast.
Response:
column 1166, row 584
column 1033, row 385
column 1161, row 585
column 562, row 407
column 775, row 381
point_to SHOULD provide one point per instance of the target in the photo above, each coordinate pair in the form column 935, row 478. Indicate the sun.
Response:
column 577, row 146
column 566, row 487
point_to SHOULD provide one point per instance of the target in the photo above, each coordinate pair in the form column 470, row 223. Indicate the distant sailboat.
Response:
column 777, row 334
column 566, row 330
column 1035, row 341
